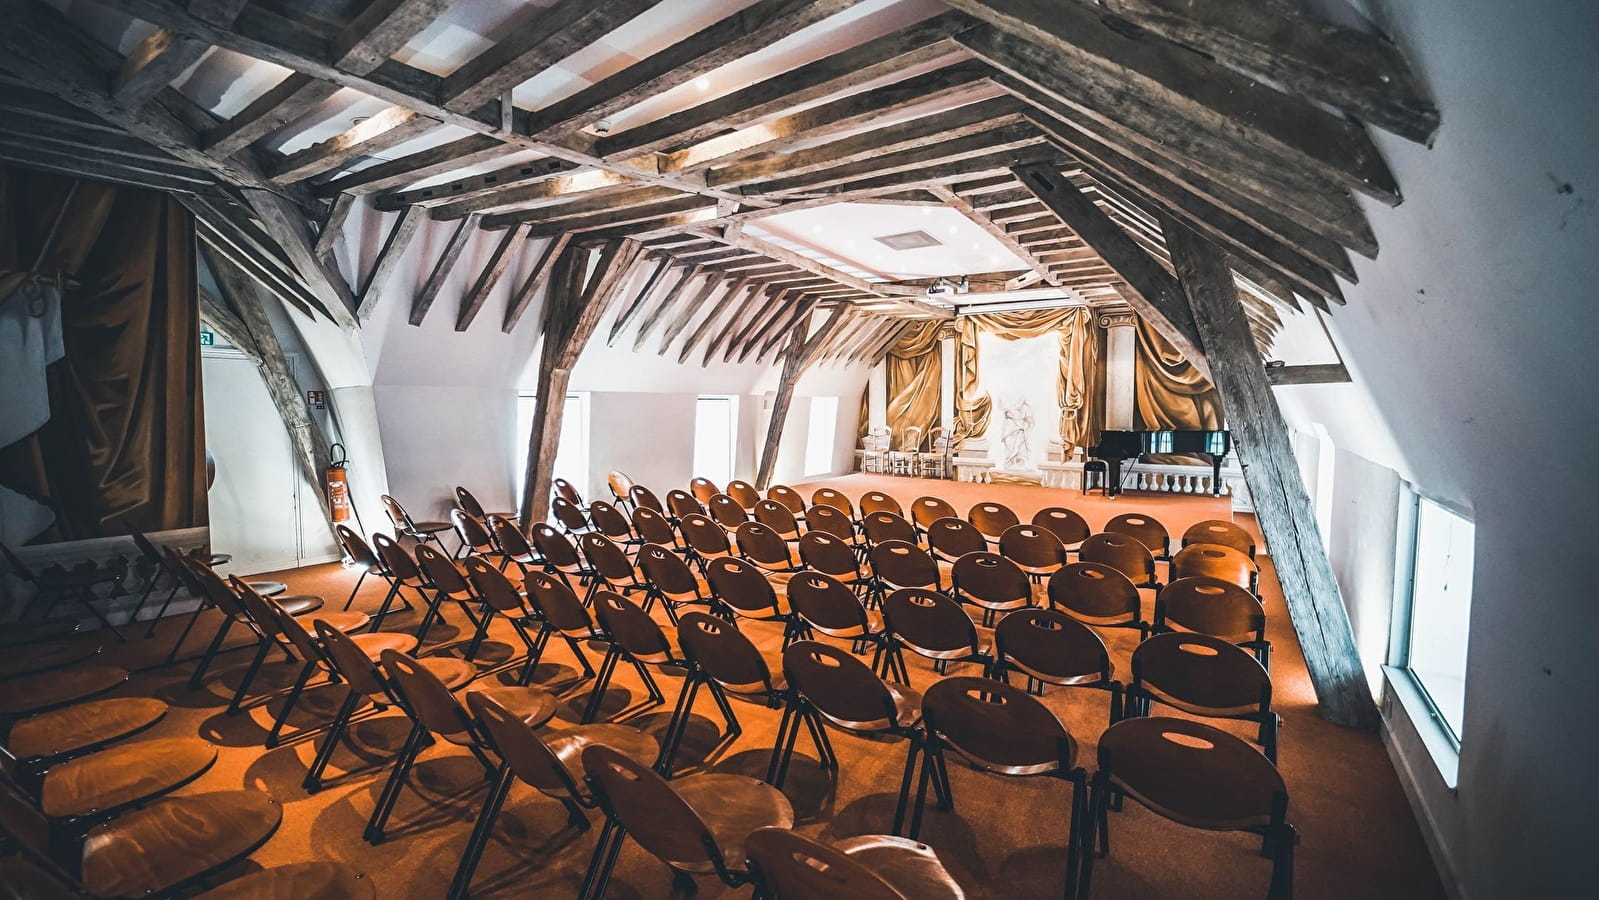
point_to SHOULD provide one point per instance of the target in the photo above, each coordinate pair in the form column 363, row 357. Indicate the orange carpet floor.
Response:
column 1005, row 838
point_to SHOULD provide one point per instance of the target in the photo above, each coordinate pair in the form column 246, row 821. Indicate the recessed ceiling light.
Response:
column 910, row 240
column 702, row 83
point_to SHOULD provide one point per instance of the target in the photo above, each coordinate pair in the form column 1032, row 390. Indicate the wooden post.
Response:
column 572, row 311
column 797, row 358
column 1282, row 506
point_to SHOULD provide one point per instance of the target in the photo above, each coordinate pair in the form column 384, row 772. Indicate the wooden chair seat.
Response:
column 298, row 881
column 219, row 559
column 44, row 657
column 453, row 672
column 732, row 806
column 632, row 743
column 81, row 726
column 21, row 879
column 271, row 589
column 299, row 606
column 19, row 633
column 910, row 867
column 347, row 622
column 158, row 847
column 36, row 693
column 432, row 527
column 533, row 705
column 122, row 775
column 373, row 645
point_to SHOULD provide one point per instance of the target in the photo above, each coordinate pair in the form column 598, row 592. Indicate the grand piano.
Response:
column 1116, row 446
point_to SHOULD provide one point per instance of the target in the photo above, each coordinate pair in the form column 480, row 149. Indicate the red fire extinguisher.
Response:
column 338, row 485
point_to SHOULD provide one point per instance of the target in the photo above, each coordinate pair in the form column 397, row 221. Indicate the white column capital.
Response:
column 1116, row 317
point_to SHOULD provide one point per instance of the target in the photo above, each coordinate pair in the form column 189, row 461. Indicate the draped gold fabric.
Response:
column 915, row 369
column 1079, row 382
column 124, row 446
column 1168, row 391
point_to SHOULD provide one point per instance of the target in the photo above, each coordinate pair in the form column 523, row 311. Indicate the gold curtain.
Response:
column 1078, row 382
column 914, row 368
column 1168, row 391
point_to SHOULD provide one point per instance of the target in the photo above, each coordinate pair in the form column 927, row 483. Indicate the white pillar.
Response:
column 1120, row 353
column 877, row 396
column 946, row 386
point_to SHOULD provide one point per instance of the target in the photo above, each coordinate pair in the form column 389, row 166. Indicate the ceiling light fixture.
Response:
column 909, row 240
column 702, row 83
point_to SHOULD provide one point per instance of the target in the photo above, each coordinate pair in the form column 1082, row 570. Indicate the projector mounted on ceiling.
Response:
column 910, row 240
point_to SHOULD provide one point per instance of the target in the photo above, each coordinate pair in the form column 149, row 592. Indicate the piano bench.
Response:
column 1096, row 465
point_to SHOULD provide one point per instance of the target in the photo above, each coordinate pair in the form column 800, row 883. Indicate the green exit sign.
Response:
column 207, row 339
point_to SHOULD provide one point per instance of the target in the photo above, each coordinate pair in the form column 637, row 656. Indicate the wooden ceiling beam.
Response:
column 651, row 214
column 394, row 248
column 522, row 298
column 658, row 311
column 413, row 167
column 1281, row 41
column 991, row 138
column 659, row 276
column 531, row 172
column 505, row 252
column 153, row 64
column 380, row 30
column 423, row 301
column 286, row 101
column 741, row 318
column 1022, row 251
column 904, row 297
column 535, row 192
column 1025, row 150
column 389, row 128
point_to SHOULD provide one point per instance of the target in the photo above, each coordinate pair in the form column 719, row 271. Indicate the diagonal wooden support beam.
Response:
column 742, row 319
column 288, row 227
column 423, row 301
column 523, row 298
column 394, row 247
column 572, row 311
column 288, row 100
column 500, row 260
column 332, row 226
column 623, row 318
column 667, row 302
column 728, row 299
column 152, row 65
column 1155, row 295
column 708, row 287
column 380, row 132
column 1283, row 508
column 801, row 353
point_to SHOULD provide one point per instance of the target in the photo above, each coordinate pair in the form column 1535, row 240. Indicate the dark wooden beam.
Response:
column 742, row 317
column 532, row 191
column 727, row 302
column 799, row 356
column 572, row 311
column 625, row 316
column 773, row 308
column 394, row 247
column 286, row 101
column 1153, row 293
column 152, row 65
column 1331, row 373
column 667, row 302
column 500, row 260
column 769, row 338
column 523, row 298
column 332, row 226
column 1281, row 41
column 380, row 30
column 993, row 138
column 690, row 309
column 380, row 132
column 423, row 301
column 414, row 167
column 287, row 226
column 1283, row 508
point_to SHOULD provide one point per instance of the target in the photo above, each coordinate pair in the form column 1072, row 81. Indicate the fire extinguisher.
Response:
column 338, row 485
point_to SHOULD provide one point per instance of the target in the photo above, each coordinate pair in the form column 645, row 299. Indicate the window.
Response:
column 571, row 455
column 715, row 437
column 819, row 437
column 1436, row 622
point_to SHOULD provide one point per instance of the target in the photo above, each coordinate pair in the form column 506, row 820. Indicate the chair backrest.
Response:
column 644, row 498
column 1032, row 547
column 609, row 521
column 653, row 527
column 1218, row 531
column 777, row 517
column 835, row 499
column 789, row 866
column 1122, row 552
column 667, row 572
column 295, row 630
column 605, row 557
column 399, row 563
column 1201, row 674
column 255, row 606
column 1066, row 524
column 724, row 653
column 787, row 496
column 357, row 549
column 997, row 727
column 827, row 605
column 442, row 572
column 521, row 748
column 468, row 503
column 729, row 513
column 992, row 581
column 1094, row 593
column 705, row 536
column 354, row 666
column 569, row 514
column 652, row 813
column 682, row 503
column 472, row 531
column 903, row 564
column 513, row 542
column 398, row 517
column 950, row 538
column 557, row 604
column 1147, row 529
column 877, row 501
column 763, row 547
column 1211, row 606
column 631, row 627
column 930, row 623
column 491, row 584
column 703, row 489
column 621, row 486
column 434, row 707
column 212, row 585
column 927, row 510
column 840, row 687
column 1216, row 561
column 555, row 547
column 827, row 554
column 741, row 586
column 565, row 490
column 743, row 493
column 831, row 520
column 882, row 525
column 911, row 441
column 1217, row 780
column 1052, row 646
column 992, row 519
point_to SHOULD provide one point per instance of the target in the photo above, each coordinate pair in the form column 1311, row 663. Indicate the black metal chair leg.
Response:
column 160, row 613
column 778, row 747
column 391, row 789
column 288, row 704
column 261, row 651
column 324, row 754
column 478, row 842
column 604, row 860
column 195, row 680
column 911, row 757
column 678, row 724
column 720, row 696
column 356, row 590
column 601, row 682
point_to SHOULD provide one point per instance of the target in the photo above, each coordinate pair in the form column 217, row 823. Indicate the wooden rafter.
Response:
column 504, row 254
column 394, row 247
column 523, row 297
column 423, row 301
column 800, row 355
